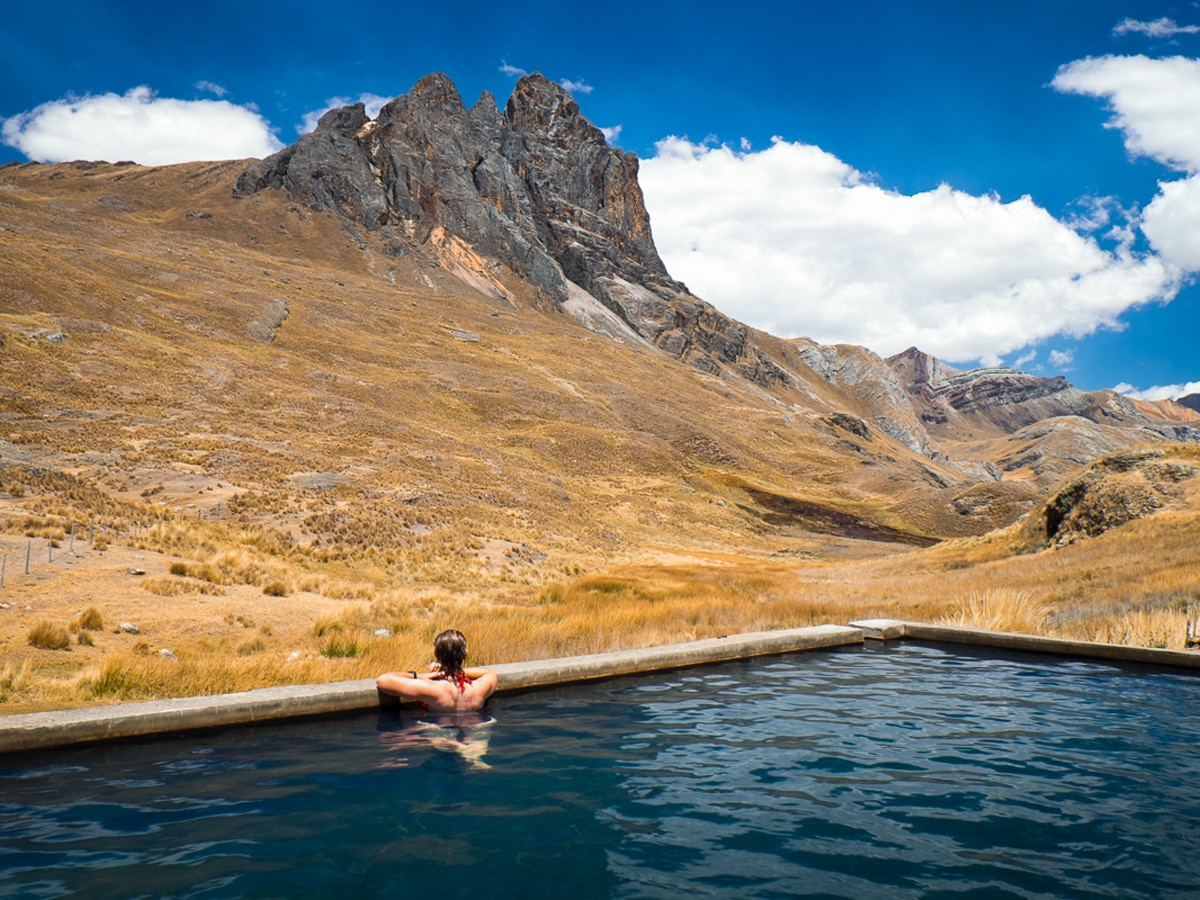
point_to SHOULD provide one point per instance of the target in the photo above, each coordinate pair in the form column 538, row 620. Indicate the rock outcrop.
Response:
column 953, row 402
column 1174, row 412
column 535, row 186
column 878, row 390
column 1109, row 493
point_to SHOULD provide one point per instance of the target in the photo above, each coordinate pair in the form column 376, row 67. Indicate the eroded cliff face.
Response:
column 535, row 186
column 1002, row 397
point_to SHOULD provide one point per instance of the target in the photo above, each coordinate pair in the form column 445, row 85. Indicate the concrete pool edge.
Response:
column 35, row 731
column 896, row 629
column 60, row 728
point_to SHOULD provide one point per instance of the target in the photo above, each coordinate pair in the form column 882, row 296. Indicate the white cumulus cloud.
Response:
column 1156, row 106
column 212, row 87
column 1155, row 103
column 1062, row 360
column 372, row 103
column 1159, row 392
column 576, row 87
column 139, row 126
column 1172, row 222
column 795, row 241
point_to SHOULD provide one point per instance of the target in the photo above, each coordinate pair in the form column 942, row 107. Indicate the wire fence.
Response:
column 29, row 559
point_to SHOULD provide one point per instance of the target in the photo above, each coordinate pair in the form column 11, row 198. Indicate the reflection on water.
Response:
column 886, row 772
column 464, row 733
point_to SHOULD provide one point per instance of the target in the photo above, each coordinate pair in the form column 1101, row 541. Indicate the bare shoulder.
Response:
column 485, row 682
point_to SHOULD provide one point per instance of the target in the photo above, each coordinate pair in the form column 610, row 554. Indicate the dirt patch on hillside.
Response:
column 135, row 587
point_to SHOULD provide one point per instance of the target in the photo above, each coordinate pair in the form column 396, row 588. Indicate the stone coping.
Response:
column 893, row 629
column 33, row 731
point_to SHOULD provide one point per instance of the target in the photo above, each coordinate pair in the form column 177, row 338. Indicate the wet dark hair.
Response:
column 450, row 648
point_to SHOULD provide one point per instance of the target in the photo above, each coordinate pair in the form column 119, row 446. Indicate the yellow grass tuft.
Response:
column 1001, row 610
column 91, row 620
column 48, row 636
column 173, row 587
column 15, row 680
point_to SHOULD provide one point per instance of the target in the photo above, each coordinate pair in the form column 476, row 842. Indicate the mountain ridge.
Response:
column 383, row 335
column 534, row 143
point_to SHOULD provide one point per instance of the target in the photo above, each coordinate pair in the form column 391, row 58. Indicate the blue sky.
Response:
column 1001, row 183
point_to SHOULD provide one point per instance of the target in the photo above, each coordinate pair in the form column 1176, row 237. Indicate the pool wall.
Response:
column 31, row 731
column 894, row 629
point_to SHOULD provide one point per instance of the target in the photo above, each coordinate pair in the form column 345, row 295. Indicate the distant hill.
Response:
column 445, row 334
column 1191, row 401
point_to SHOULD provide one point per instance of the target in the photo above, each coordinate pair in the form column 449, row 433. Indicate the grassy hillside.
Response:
column 302, row 435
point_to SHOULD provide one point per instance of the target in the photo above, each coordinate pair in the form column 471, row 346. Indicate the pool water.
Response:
column 883, row 771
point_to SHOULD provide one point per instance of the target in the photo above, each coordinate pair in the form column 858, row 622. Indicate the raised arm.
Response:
column 409, row 686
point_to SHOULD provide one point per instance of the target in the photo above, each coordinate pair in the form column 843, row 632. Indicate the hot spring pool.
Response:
column 882, row 771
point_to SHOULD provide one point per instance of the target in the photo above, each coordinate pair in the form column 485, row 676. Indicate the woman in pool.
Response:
column 447, row 687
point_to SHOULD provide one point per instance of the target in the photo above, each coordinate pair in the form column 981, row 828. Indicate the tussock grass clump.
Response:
column 341, row 647
column 173, row 587
column 334, row 623
column 1001, row 610
column 131, row 677
column 48, row 636
column 251, row 647
column 1153, row 624
column 91, row 620
column 15, row 680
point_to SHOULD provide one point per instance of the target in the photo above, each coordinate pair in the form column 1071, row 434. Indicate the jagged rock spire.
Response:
column 536, row 187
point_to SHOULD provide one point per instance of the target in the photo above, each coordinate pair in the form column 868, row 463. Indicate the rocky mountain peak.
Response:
column 1005, row 397
column 539, row 105
column 920, row 368
column 536, row 188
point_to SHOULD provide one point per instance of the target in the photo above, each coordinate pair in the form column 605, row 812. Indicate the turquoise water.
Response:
column 898, row 771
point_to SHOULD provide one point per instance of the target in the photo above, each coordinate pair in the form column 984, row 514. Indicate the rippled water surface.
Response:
column 898, row 771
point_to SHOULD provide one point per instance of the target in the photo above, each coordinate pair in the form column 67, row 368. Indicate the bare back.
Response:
column 442, row 694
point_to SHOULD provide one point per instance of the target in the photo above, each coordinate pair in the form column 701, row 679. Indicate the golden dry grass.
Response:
column 49, row 636
column 1134, row 586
